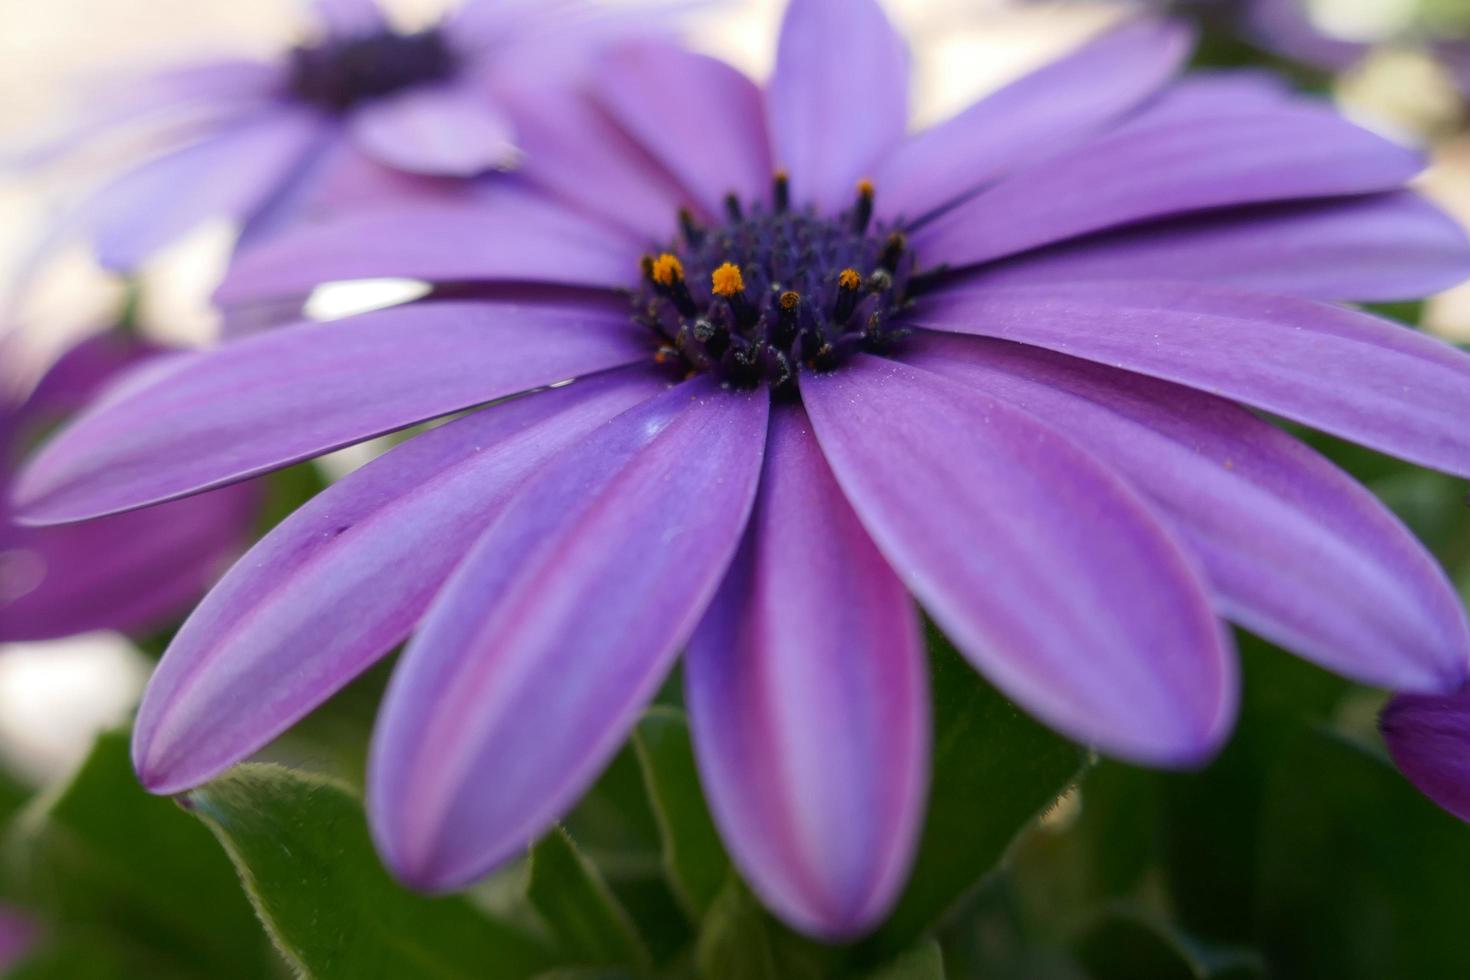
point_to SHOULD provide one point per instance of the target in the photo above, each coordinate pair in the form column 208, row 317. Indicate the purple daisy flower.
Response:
column 1001, row 367
column 131, row 572
column 359, row 109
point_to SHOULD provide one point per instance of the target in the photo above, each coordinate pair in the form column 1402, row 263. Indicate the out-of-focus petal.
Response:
column 556, row 630
column 809, row 704
column 1048, row 571
column 1293, row 548
column 1169, row 166
column 838, row 100
column 1429, row 739
column 344, row 579
column 514, row 238
column 1372, row 248
column 287, row 395
column 699, row 117
column 440, row 131
column 226, row 175
column 129, row 572
column 618, row 183
column 347, row 18
column 1344, row 372
column 1031, row 118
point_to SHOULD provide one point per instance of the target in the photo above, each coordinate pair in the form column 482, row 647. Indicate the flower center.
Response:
column 337, row 73
column 774, row 289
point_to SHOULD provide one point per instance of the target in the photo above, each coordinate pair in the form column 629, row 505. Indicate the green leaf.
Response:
column 301, row 846
column 923, row 962
column 96, row 954
column 1360, row 876
column 590, row 926
column 995, row 770
column 694, row 858
column 1123, row 944
column 1212, row 819
column 99, row 853
column 740, row 941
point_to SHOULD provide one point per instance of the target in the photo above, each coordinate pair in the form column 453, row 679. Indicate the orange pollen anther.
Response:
column 865, row 187
column 727, row 281
column 790, row 299
column 849, row 279
column 667, row 270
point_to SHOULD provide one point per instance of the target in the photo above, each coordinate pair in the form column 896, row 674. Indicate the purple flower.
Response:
column 1428, row 737
column 358, row 110
column 131, row 572
column 998, row 366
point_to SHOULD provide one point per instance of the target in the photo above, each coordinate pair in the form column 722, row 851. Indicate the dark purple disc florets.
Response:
column 774, row 289
column 337, row 73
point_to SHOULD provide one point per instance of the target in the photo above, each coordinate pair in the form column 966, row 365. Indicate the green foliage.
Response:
column 693, row 856
column 1123, row 944
column 100, row 858
column 995, row 769
column 302, row 850
column 589, row 925
column 1360, row 876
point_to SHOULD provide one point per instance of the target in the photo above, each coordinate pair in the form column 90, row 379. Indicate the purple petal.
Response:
column 349, row 17
column 440, row 131
column 699, row 117
column 130, row 572
column 1170, row 165
column 225, row 175
column 291, row 394
column 1049, row 573
column 1364, row 379
column 1428, row 737
column 345, row 578
column 1293, row 548
column 1032, row 118
column 809, row 701
column 583, row 158
column 555, row 631
column 1372, row 248
column 513, row 237
column 1286, row 26
column 838, row 101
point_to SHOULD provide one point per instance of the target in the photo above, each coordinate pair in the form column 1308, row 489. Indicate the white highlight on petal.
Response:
column 336, row 300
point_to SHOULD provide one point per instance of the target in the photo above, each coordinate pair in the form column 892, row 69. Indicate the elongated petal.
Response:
column 225, row 175
column 1293, row 548
column 129, row 572
column 699, row 117
column 556, row 630
column 1050, row 574
column 344, row 579
column 511, row 238
column 838, row 101
column 619, row 182
column 1372, row 248
column 808, row 699
column 1031, row 118
column 1170, row 166
column 1358, row 377
column 290, row 394
column 440, row 131
column 1429, row 740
